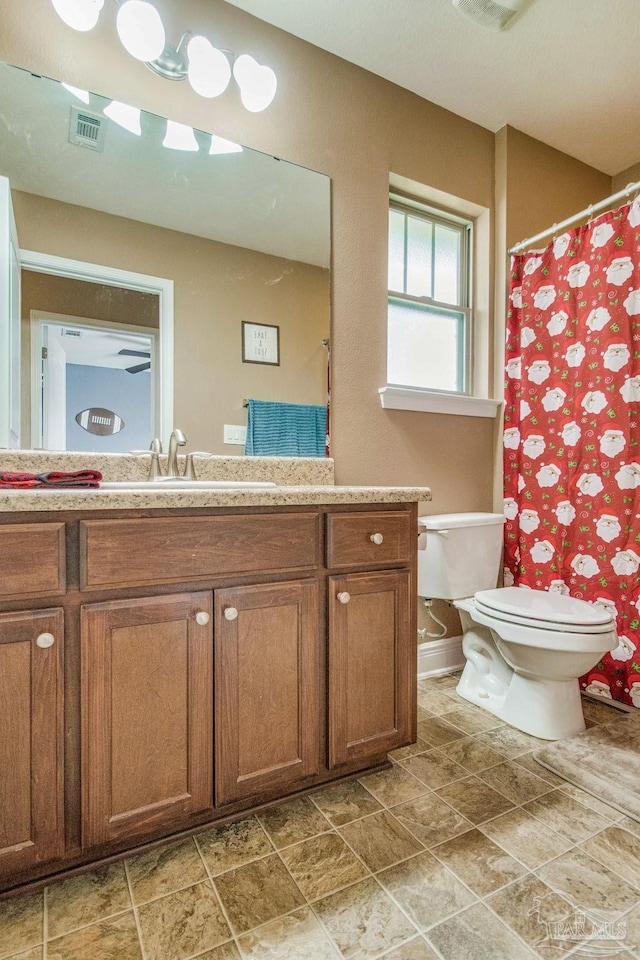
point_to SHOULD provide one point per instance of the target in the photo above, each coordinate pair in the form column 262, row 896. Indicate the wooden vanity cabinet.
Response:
column 31, row 739
column 210, row 667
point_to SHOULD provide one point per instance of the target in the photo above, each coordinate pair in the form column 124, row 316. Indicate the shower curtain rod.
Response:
column 594, row 208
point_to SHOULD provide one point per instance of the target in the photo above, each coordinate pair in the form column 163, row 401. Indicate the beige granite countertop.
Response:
column 300, row 481
column 33, row 501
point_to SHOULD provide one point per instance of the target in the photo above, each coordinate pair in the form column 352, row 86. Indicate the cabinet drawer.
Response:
column 353, row 539
column 175, row 549
column 32, row 560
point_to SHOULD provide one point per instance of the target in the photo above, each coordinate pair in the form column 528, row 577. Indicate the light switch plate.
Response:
column 235, row 434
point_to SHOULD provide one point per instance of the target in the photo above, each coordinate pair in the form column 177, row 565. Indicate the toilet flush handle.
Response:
column 443, row 533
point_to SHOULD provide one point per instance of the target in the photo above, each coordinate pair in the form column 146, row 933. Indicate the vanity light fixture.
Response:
column 208, row 69
column 219, row 145
column 125, row 116
column 79, row 14
column 180, row 137
column 77, row 92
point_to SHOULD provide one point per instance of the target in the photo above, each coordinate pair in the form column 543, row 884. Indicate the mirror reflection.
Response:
column 154, row 276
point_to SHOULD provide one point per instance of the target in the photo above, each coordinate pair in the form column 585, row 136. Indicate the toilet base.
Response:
column 547, row 709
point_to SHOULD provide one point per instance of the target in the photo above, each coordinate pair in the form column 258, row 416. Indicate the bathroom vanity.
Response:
column 170, row 660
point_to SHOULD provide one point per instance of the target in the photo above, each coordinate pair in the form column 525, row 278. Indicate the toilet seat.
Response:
column 544, row 610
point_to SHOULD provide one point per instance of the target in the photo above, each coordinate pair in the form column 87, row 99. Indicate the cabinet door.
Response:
column 267, row 688
column 147, row 690
column 31, row 739
column 371, row 653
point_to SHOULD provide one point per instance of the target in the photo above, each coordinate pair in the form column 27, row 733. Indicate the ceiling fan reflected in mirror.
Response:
column 138, row 367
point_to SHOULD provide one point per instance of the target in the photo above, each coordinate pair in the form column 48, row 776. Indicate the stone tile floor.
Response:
column 465, row 850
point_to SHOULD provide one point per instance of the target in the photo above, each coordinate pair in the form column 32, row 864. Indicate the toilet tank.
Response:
column 458, row 554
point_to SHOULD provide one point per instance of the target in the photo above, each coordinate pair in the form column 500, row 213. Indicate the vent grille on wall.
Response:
column 87, row 129
column 489, row 13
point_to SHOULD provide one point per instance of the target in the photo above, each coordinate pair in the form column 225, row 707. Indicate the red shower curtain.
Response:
column 572, row 431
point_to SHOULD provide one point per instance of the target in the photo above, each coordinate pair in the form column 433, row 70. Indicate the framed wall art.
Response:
column 260, row 343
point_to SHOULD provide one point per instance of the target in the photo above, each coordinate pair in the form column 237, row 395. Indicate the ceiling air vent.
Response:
column 490, row 13
column 87, row 129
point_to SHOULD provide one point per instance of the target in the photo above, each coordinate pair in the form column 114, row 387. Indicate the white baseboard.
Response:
column 440, row 656
column 608, row 702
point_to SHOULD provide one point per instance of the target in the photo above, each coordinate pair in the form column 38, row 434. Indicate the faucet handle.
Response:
column 156, row 445
column 155, row 470
column 189, row 468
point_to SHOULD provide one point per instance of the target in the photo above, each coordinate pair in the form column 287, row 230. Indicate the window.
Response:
column 429, row 315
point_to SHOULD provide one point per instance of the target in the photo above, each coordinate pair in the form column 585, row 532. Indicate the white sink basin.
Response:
column 179, row 484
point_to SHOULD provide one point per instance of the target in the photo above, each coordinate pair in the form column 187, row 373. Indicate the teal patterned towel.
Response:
column 286, row 429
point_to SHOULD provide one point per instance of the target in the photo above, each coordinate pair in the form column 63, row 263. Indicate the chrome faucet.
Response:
column 177, row 439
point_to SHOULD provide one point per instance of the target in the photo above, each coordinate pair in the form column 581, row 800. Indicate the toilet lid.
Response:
column 541, row 605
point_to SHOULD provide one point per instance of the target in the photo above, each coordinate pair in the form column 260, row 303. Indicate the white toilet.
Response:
column 525, row 649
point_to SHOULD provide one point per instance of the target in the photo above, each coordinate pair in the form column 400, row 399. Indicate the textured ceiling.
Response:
column 565, row 71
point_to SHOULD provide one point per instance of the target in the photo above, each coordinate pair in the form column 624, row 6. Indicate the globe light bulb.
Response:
column 258, row 84
column 80, row 14
column 140, row 30
column 209, row 70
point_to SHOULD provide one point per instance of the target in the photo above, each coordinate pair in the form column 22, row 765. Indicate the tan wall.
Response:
column 625, row 177
column 216, row 286
column 95, row 301
column 545, row 186
column 357, row 128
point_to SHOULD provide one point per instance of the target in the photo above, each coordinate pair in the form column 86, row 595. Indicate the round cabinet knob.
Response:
column 202, row 618
column 344, row 597
column 376, row 538
column 45, row 640
column 230, row 613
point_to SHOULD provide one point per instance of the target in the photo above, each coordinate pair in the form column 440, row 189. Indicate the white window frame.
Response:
column 466, row 402
column 410, row 207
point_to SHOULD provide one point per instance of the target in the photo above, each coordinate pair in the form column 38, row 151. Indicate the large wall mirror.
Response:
column 155, row 276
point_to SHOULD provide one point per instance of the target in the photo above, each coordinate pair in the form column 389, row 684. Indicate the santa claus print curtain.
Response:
column 572, row 434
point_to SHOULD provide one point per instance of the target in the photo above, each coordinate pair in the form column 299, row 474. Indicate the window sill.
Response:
column 427, row 401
